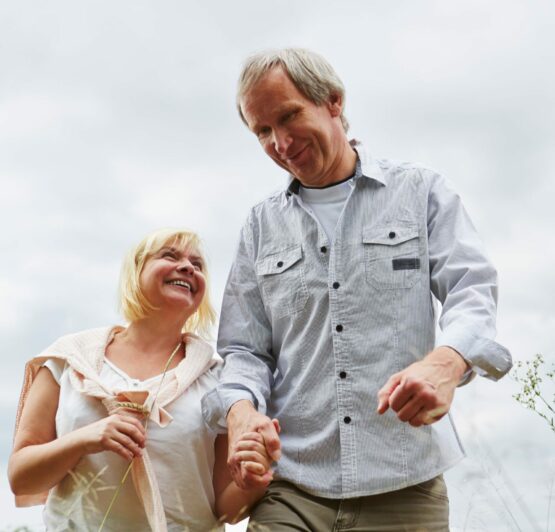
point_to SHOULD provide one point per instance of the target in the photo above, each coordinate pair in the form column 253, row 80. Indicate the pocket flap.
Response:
column 390, row 235
column 279, row 262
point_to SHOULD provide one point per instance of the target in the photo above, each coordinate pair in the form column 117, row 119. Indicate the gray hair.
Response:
column 311, row 74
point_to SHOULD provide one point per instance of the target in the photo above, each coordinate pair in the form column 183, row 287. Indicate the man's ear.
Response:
column 335, row 105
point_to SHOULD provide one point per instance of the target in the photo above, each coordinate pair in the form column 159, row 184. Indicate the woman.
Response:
column 96, row 401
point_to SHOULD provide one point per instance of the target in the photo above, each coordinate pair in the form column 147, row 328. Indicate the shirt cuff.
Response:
column 216, row 404
column 486, row 357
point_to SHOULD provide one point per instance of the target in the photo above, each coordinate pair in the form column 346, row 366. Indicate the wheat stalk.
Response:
column 126, row 474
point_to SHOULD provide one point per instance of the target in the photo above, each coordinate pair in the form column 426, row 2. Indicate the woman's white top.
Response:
column 182, row 454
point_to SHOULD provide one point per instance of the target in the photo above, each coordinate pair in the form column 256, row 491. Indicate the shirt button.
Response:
column 336, row 285
column 347, row 419
column 323, row 249
column 339, row 328
column 343, row 374
column 392, row 234
column 279, row 264
column 135, row 383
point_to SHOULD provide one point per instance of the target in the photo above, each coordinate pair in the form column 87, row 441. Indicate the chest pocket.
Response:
column 283, row 282
column 392, row 256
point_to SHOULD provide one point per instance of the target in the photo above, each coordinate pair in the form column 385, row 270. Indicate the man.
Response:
column 328, row 320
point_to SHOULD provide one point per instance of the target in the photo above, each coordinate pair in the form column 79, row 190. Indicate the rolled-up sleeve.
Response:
column 465, row 282
column 244, row 340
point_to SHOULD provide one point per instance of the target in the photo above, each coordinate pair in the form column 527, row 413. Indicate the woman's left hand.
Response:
column 251, row 452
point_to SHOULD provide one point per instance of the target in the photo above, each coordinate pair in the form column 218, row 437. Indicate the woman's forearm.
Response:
column 37, row 468
column 234, row 504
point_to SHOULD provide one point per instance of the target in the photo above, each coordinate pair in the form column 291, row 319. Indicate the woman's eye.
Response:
column 197, row 265
column 168, row 254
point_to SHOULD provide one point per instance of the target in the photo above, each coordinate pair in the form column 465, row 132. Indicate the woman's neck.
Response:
column 152, row 335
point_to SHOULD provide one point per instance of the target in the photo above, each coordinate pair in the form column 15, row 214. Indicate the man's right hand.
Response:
column 241, row 419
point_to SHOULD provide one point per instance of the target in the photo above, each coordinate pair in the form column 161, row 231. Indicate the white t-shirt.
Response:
column 326, row 204
column 182, row 455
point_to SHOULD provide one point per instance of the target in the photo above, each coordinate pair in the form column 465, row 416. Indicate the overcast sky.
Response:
column 117, row 118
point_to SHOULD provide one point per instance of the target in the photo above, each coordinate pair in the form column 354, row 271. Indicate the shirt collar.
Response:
column 365, row 167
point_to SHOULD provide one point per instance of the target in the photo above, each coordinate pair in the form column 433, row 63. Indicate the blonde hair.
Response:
column 311, row 74
column 132, row 301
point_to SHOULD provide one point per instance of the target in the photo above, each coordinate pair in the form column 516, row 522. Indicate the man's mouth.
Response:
column 184, row 284
column 293, row 158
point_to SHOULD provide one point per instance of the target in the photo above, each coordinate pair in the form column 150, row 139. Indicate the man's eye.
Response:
column 263, row 133
column 289, row 116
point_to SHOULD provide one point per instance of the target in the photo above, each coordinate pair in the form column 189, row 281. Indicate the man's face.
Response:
column 303, row 138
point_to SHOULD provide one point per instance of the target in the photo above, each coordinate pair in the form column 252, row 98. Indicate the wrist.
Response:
column 450, row 357
column 78, row 443
column 240, row 409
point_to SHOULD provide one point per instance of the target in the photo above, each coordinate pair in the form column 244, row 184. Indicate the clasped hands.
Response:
column 421, row 394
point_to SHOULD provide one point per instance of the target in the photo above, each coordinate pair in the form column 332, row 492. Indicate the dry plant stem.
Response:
column 126, row 474
column 86, row 488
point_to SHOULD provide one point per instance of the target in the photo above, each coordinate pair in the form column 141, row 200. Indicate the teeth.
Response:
column 182, row 283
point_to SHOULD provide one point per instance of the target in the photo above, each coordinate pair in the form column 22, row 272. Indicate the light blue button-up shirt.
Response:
column 310, row 329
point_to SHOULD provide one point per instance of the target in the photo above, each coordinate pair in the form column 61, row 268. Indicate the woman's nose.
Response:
column 185, row 266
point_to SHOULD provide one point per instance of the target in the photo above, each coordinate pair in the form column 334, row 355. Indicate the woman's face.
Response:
column 173, row 279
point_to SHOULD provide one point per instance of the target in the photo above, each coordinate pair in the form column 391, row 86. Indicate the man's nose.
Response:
column 282, row 140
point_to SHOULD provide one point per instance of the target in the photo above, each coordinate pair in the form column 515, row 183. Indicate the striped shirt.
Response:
column 311, row 329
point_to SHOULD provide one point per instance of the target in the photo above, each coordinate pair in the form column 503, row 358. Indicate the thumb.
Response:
column 276, row 425
column 271, row 440
column 386, row 391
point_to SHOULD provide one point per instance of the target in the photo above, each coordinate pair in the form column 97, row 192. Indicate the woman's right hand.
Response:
column 121, row 433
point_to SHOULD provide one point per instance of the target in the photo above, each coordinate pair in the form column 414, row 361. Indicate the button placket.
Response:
column 347, row 429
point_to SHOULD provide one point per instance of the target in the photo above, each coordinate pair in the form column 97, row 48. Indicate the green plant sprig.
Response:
column 533, row 375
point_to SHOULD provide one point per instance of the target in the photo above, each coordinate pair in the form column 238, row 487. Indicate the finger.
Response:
column 402, row 395
column 251, row 480
column 418, row 419
column 271, row 440
column 385, row 391
column 132, row 420
column 254, row 467
column 119, row 449
column 433, row 415
column 252, row 436
column 128, row 443
column 410, row 410
column 250, row 445
column 133, row 432
column 234, row 466
column 427, row 416
column 251, row 456
column 276, row 425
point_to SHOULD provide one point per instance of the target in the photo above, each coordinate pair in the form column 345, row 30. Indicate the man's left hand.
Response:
column 422, row 393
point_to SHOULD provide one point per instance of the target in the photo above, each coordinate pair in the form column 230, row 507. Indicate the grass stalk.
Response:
column 128, row 470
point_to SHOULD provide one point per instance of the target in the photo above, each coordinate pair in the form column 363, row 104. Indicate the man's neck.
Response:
column 341, row 171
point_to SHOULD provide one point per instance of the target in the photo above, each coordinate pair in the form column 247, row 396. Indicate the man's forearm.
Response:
column 239, row 410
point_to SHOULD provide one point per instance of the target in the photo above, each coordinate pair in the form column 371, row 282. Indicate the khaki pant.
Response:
column 420, row 508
